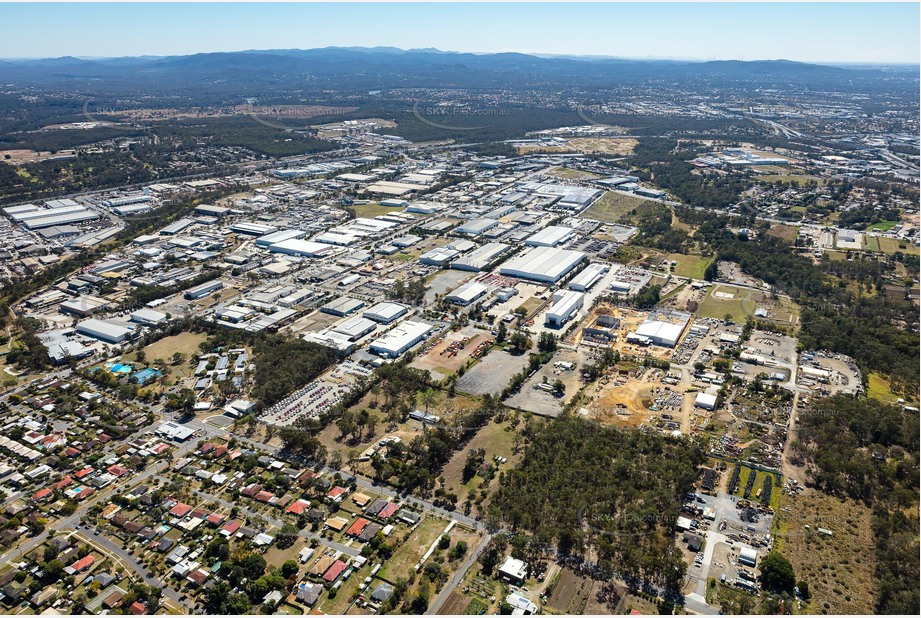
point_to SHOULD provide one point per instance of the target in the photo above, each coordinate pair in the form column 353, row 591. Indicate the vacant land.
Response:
column 496, row 439
column 566, row 172
column 604, row 145
column 692, row 266
column 794, row 179
column 786, row 232
column 878, row 388
column 884, row 226
column 373, row 209
column 614, row 207
column 570, row 595
column 412, row 550
column 492, row 373
column 740, row 307
column 455, row 605
column 891, row 245
column 871, row 243
column 839, row 568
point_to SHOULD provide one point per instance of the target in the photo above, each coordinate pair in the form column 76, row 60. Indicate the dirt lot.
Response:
column 492, row 373
column 440, row 361
column 604, row 145
column 455, row 605
column 21, row 156
column 571, row 593
column 542, row 402
column 625, row 403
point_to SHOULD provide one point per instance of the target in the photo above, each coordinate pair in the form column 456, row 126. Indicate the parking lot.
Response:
column 317, row 397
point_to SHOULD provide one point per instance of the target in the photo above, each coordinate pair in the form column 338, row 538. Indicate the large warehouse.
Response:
column 300, row 247
column 663, row 328
column 544, row 264
column 400, row 339
column 386, row 312
column 588, row 277
column 566, row 304
column 481, row 258
column 475, row 227
column 550, row 236
column 111, row 332
column 467, row 293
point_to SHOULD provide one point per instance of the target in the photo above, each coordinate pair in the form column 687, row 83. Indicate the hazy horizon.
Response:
column 820, row 33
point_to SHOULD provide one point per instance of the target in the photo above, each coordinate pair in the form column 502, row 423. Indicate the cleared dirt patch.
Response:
column 456, row 604
column 570, row 595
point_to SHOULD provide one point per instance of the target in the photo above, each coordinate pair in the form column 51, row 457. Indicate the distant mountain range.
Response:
column 388, row 67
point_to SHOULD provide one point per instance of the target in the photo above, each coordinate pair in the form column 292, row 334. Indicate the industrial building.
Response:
column 566, row 304
column 354, row 328
column 438, row 257
column 468, row 293
column 543, row 264
column 550, row 236
column 400, row 339
column 588, row 277
column 481, row 258
column 149, row 317
column 108, row 331
column 302, row 248
column 386, row 312
column 342, row 306
column 200, row 291
column 707, row 401
column 280, row 236
column 662, row 328
column 211, row 211
column 475, row 227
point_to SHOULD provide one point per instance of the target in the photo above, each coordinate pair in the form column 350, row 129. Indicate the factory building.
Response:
column 400, row 339
column 200, row 291
column 211, row 211
column 588, row 277
column 566, row 304
column 354, row 328
column 663, row 328
column 149, row 317
column 280, row 236
column 438, row 257
column 302, row 248
column 550, row 236
column 110, row 332
column 475, row 227
column 386, row 312
column 342, row 306
column 481, row 258
column 468, row 293
column 176, row 227
column 542, row 264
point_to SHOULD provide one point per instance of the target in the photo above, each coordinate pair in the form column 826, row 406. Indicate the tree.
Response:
column 286, row 536
column 803, row 587
column 289, row 568
column 178, row 358
column 777, row 573
column 501, row 332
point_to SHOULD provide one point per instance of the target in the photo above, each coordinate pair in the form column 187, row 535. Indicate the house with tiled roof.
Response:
column 81, row 565
column 264, row 496
column 335, row 571
column 137, row 609
column 180, row 510
column 64, row 482
column 356, row 528
column 298, row 506
column 42, row 494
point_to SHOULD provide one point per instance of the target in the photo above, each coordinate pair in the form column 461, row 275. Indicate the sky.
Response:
column 826, row 32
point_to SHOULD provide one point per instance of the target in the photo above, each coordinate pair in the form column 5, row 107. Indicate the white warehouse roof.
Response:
column 385, row 312
column 546, row 264
column 297, row 246
column 467, row 293
column 550, row 236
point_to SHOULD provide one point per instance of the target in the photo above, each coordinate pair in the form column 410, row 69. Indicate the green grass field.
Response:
column 692, row 266
column 884, row 226
column 613, row 207
column 740, row 307
column 878, row 388
column 871, row 243
column 797, row 179
column 373, row 209
column 891, row 245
